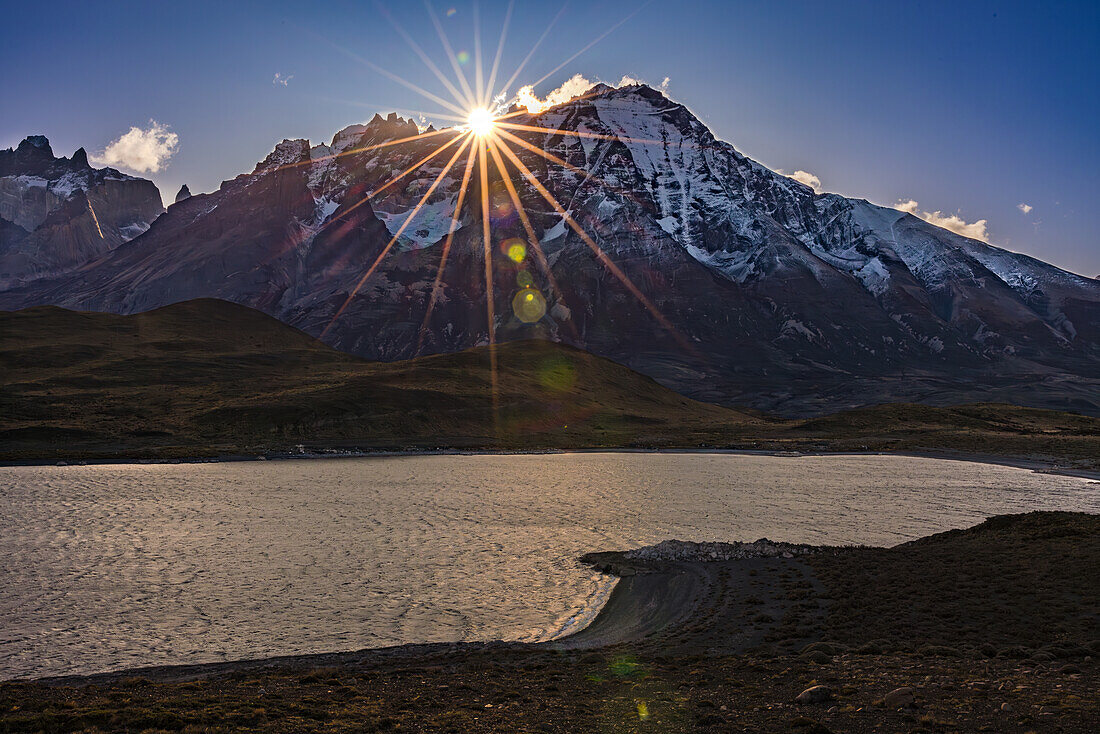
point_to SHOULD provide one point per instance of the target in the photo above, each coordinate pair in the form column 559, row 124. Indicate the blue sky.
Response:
column 969, row 108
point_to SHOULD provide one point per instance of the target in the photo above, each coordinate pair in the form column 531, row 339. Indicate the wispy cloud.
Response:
column 281, row 79
column 143, row 151
column 1025, row 208
column 953, row 222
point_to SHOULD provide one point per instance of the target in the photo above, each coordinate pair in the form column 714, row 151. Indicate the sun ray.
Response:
column 400, row 230
column 366, row 148
column 447, row 48
column 531, row 53
column 553, row 131
column 459, row 96
column 389, row 183
column 412, row 113
column 545, row 154
column 483, row 176
column 596, row 249
column 390, row 75
column 588, row 175
column 455, row 218
column 525, row 220
column 479, row 80
column 591, row 43
column 419, row 90
column 500, row 50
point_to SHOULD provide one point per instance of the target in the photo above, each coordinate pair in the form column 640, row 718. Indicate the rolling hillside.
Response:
column 208, row 377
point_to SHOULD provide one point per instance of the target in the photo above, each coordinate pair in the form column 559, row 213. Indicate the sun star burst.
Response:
column 481, row 122
column 482, row 113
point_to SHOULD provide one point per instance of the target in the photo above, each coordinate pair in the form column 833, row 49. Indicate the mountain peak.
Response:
column 184, row 193
column 80, row 158
column 346, row 137
column 39, row 142
column 285, row 153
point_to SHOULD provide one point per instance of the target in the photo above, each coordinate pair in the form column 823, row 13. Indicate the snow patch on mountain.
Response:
column 430, row 225
column 874, row 276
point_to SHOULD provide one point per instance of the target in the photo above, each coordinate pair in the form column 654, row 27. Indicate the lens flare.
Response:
column 515, row 249
column 529, row 305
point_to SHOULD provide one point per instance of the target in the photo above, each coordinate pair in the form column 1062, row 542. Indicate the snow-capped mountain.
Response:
column 57, row 214
column 760, row 292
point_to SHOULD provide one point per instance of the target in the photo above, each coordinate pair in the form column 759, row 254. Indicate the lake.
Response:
column 115, row 566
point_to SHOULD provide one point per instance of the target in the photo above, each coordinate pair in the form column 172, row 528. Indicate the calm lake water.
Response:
column 108, row 567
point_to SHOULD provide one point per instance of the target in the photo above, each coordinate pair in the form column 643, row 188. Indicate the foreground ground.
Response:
column 211, row 378
column 994, row 628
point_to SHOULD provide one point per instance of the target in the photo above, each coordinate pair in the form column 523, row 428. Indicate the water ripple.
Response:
column 110, row 567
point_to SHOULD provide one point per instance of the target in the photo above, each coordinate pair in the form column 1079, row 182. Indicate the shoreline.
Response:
column 1035, row 464
column 659, row 600
column 831, row 639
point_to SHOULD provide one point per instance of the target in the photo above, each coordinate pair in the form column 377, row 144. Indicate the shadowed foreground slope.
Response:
column 208, row 377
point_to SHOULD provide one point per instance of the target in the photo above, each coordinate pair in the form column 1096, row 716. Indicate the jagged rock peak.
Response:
column 346, row 138
column 285, row 153
column 394, row 124
column 184, row 193
column 41, row 142
column 80, row 158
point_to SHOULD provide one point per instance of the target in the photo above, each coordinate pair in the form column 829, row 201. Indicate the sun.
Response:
column 481, row 122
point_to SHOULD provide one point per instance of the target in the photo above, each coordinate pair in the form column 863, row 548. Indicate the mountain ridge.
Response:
column 778, row 298
column 57, row 214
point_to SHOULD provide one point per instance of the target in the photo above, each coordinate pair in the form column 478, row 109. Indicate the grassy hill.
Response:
column 208, row 377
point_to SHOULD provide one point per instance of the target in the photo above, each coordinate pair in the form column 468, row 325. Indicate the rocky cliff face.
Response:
column 760, row 292
column 57, row 214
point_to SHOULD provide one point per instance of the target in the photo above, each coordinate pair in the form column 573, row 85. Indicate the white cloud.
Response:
column 574, row 86
column 280, row 79
column 909, row 207
column 807, row 179
column 628, row 81
column 953, row 222
column 143, row 151
column 1025, row 208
